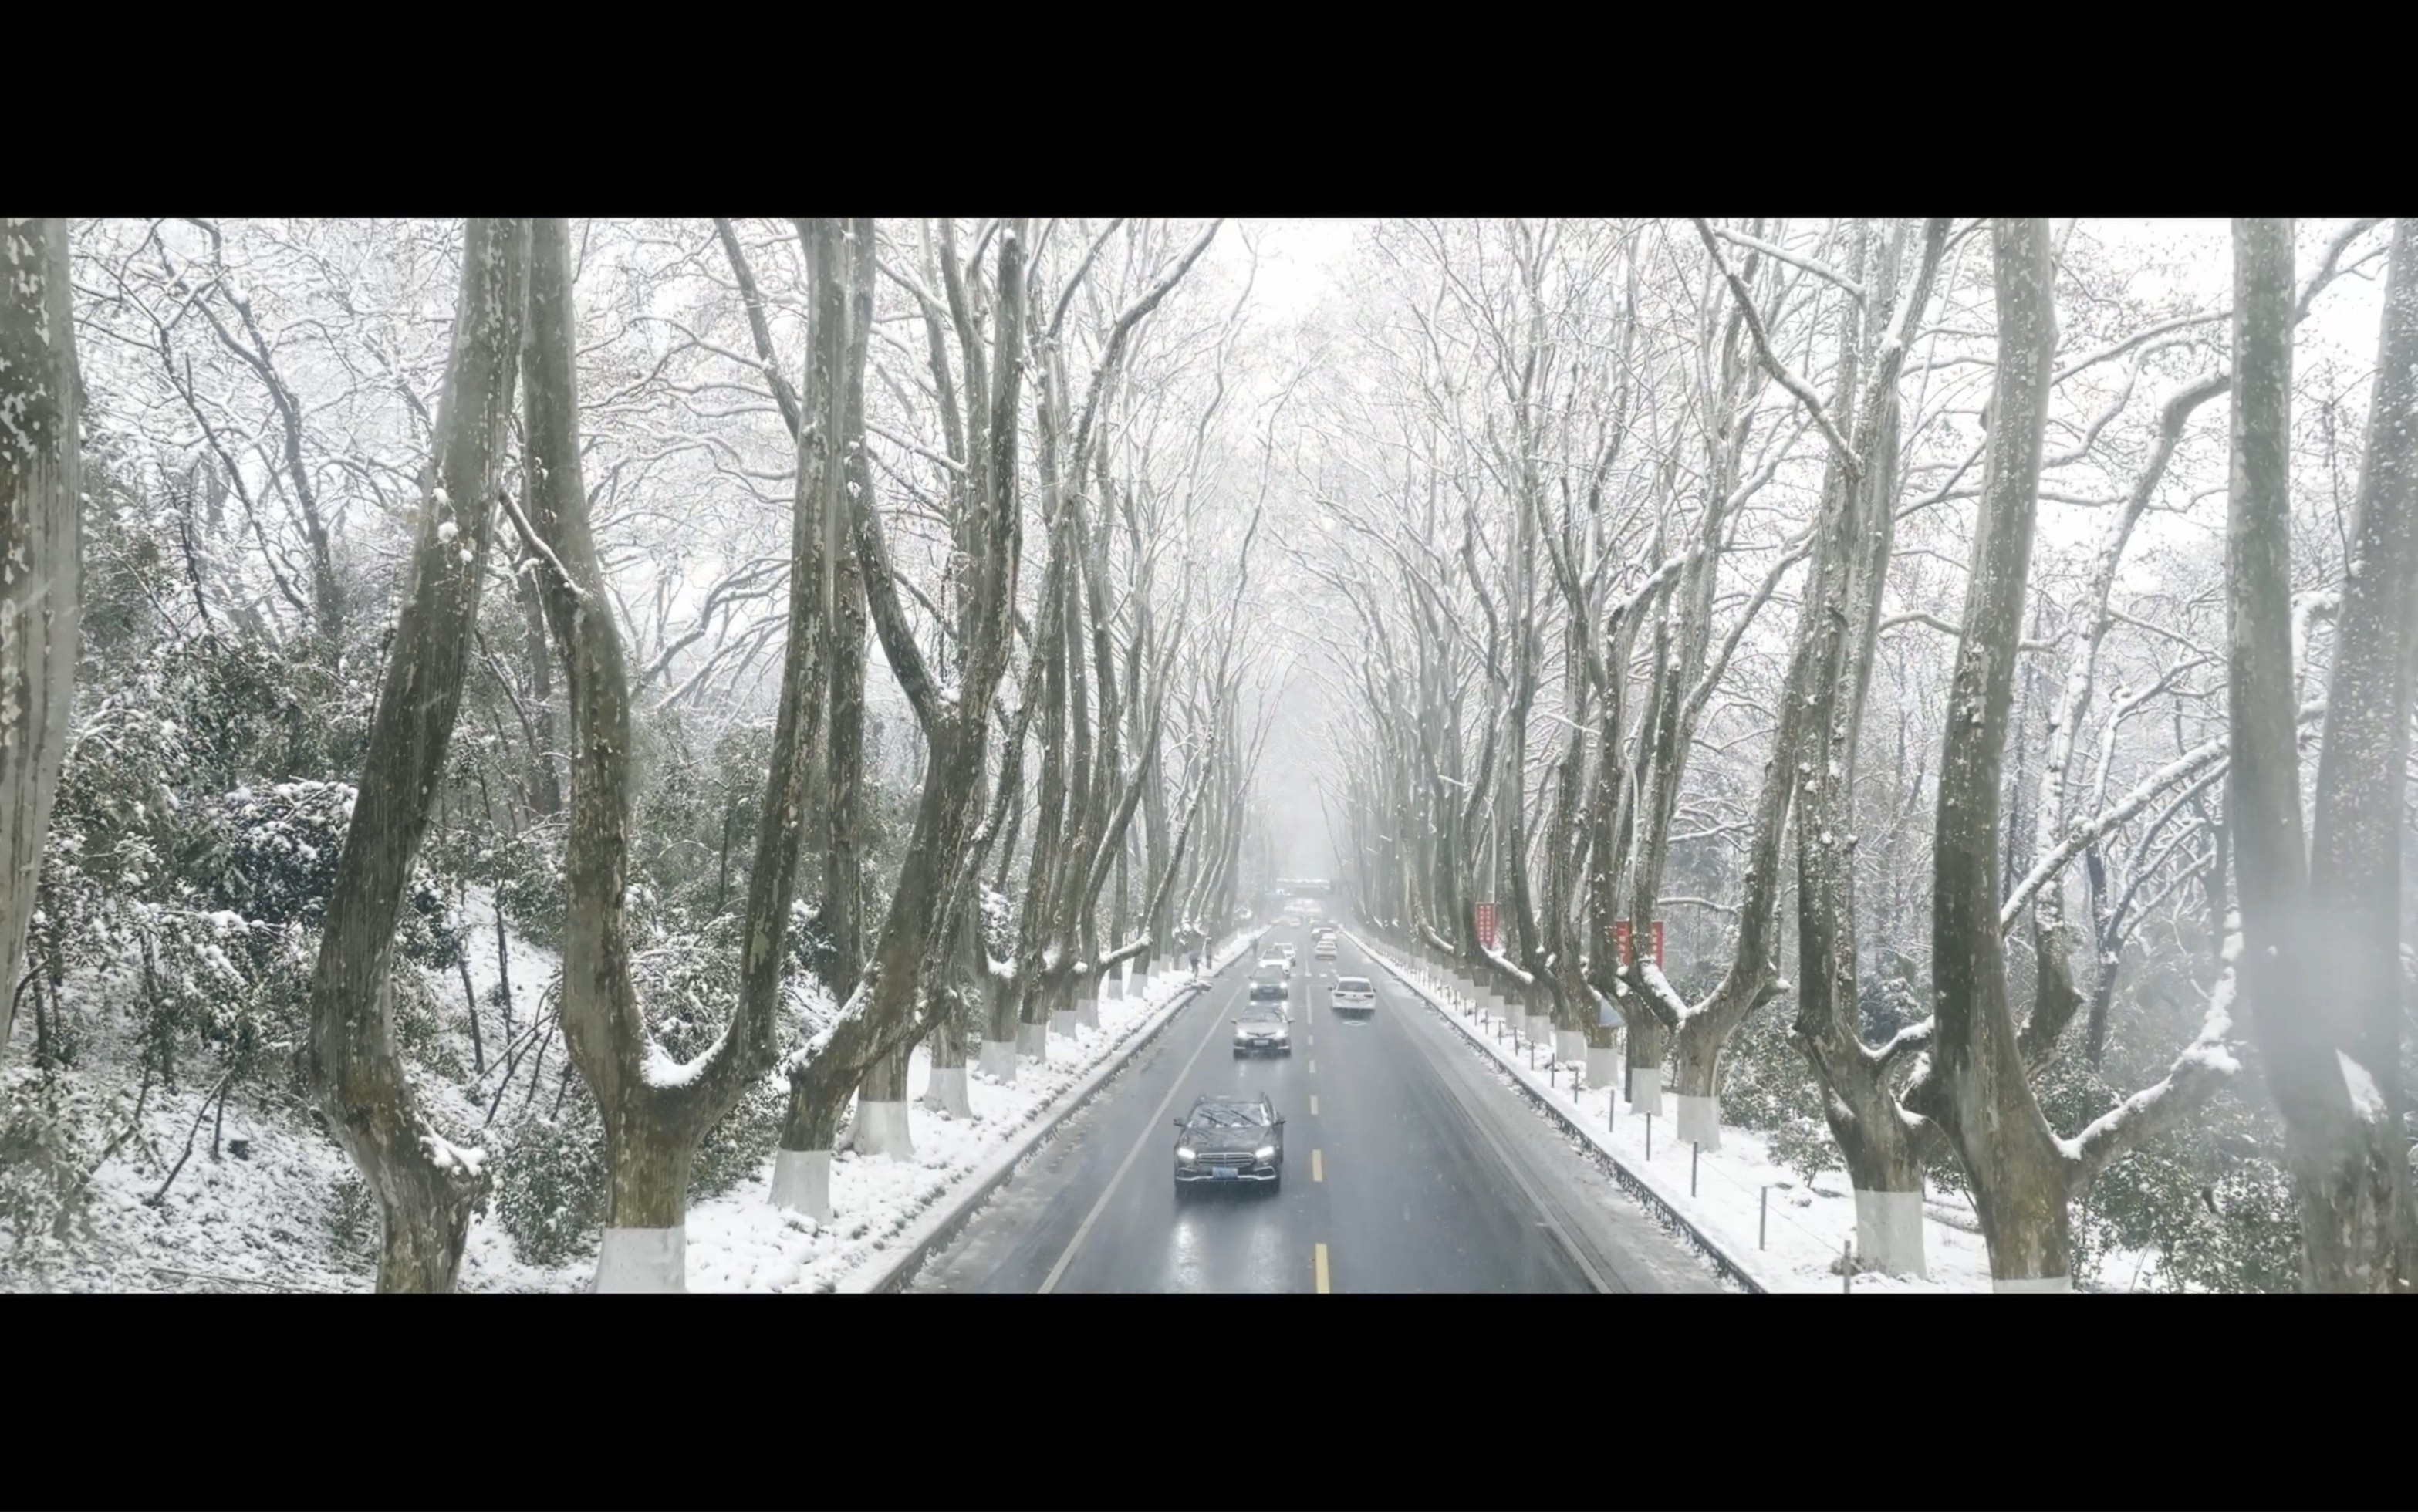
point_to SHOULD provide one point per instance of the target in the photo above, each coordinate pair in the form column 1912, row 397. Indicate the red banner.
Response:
column 1620, row 937
column 1486, row 924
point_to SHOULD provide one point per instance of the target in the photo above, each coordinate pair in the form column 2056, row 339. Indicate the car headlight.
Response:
column 1186, row 1154
column 1263, row 1151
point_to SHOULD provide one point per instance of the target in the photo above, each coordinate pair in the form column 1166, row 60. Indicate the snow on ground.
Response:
column 291, row 1214
column 1807, row 1226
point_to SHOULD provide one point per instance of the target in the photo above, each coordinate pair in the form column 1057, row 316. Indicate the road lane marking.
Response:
column 1183, row 1077
column 1460, row 1097
column 1317, row 1171
column 1313, row 1104
column 1321, row 1270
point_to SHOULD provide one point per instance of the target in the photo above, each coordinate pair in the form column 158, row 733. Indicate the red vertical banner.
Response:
column 1486, row 924
column 1620, row 938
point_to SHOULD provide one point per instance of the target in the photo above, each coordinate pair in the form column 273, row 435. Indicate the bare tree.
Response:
column 655, row 1110
column 1979, row 1089
column 425, row 1187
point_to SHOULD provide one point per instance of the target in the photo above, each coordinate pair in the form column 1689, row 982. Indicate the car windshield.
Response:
column 1229, row 1116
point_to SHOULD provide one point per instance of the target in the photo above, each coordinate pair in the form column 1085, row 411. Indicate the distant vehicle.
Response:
column 1273, row 959
column 1263, row 1028
column 1271, row 992
column 1230, row 1137
column 1288, row 951
column 1354, row 996
column 1325, row 951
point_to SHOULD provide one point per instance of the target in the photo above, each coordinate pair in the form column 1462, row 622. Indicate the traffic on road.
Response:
column 1347, row 1140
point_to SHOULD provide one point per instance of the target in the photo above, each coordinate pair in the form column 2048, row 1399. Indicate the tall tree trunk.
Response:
column 1983, row 1098
column 2334, row 1029
column 41, row 563
column 545, row 779
column 425, row 1189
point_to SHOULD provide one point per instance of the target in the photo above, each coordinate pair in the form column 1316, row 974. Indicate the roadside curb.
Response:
column 936, row 1224
column 1646, row 1186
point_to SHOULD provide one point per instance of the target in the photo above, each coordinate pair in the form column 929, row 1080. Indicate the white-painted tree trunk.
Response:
column 1087, row 1012
column 1113, row 990
column 1062, row 1022
column 1700, row 1119
column 1569, row 1044
column 1602, row 1066
column 643, row 1259
column 946, row 1094
column 2017, row 1284
column 999, row 1061
column 1539, row 1028
column 1646, row 1089
column 1034, row 1040
column 1889, row 1232
column 801, row 1182
column 882, row 1129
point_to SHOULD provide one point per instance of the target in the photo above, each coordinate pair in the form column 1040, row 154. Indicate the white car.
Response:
column 1276, row 962
column 1354, row 995
column 1288, row 950
column 1325, row 951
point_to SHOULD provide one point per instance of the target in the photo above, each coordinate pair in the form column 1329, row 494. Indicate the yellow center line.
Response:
column 1316, row 1170
column 1321, row 1270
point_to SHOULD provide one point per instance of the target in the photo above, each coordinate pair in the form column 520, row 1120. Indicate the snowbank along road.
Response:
column 1409, row 1166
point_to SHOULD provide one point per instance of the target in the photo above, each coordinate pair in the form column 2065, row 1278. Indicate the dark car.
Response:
column 1263, row 1027
column 1230, row 1138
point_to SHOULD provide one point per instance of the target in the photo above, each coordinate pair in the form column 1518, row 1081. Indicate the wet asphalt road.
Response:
column 1410, row 1167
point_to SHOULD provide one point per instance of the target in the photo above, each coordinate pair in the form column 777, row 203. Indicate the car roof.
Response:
column 1230, row 1100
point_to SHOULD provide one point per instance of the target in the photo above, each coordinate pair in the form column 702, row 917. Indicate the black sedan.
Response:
column 1230, row 1138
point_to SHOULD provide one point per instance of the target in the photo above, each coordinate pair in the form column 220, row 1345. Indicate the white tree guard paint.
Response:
column 801, row 1182
column 2031, row 1283
column 1087, row 1011
column 1700, row 1119
column 946, row 1091
column 1539, row 1028
column 998, row 1061
column 1889, row 1233
column 1032, row 1040
column 882, row 1129
column 1646, row 1089
column 643, row 1259
column 1569, row 1044
column 1062, row 1023
column 1113, row 989
column 1602, row 1066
